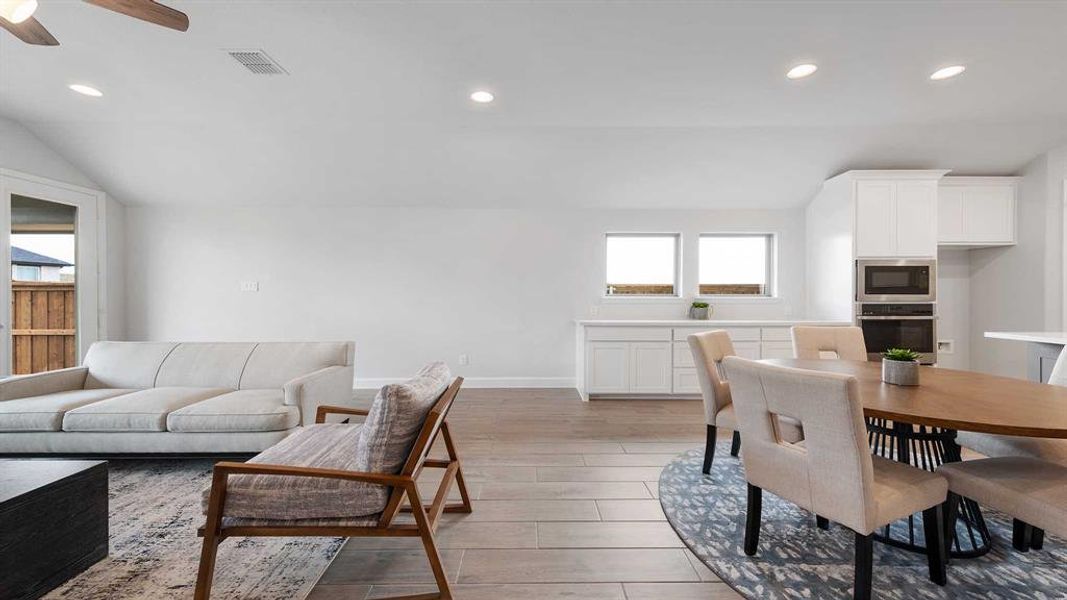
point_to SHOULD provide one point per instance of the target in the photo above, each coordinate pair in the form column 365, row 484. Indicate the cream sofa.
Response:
column 174, row 397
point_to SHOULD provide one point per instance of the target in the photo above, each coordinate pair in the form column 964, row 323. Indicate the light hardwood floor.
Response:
column 565, row 507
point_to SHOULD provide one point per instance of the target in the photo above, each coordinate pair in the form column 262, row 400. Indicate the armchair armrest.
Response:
column 330, row 386
column 323, row 410
column 39, row 384
column 225, row 469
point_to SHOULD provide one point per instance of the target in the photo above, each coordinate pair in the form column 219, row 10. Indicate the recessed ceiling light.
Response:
column 947, row 72
column 17, row 11
column 87, row 90
column 482, row 97
column 802, row 71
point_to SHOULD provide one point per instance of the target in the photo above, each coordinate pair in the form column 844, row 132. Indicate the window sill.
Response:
column 713, row 300
column 638, row 299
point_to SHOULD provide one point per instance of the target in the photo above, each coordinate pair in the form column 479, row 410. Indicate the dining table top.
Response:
column 952, row 399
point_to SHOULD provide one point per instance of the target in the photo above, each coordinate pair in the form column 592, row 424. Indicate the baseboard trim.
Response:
column 373, row 383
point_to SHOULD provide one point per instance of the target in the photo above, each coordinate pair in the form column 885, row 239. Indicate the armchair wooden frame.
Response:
column 403, row 485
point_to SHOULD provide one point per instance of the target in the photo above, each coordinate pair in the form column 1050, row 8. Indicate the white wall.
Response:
column 414, row 285
column 1020, row 288
column 20, row 150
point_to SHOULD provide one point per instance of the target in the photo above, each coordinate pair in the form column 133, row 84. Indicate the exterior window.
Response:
column 642, row 264
column 25, row 273
column 736, row 264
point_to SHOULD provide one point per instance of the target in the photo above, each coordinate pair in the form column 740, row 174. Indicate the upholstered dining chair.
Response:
column 1032, row 491
column 993, row 445
column 845, row 343
column 708, row 349
column 345, row 480
column 833, row 472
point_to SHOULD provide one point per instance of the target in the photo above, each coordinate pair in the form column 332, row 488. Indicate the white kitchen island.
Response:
column 1042, row 349
column 651, row 359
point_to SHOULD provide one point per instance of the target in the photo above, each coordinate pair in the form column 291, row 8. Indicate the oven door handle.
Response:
column 869, row 318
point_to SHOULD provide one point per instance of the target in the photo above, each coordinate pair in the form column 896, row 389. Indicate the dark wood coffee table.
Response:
column 53, row 523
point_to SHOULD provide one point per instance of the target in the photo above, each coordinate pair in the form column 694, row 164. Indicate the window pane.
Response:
column 641, row 264
column 735, row 265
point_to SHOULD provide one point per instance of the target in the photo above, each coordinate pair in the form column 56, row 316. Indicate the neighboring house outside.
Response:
column 30, row 266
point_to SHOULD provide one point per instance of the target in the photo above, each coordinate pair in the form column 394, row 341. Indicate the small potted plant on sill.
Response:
column 699, row 310
column 900, row 366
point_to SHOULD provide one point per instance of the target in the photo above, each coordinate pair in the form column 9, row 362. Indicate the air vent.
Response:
column 258, row 62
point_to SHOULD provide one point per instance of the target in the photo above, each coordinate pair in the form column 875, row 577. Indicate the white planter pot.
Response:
column 899, row 372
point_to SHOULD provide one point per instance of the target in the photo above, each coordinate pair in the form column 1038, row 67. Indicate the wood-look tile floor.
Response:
column 565, row 507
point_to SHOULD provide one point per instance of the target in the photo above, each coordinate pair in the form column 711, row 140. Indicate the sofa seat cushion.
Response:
column 243, row 410
column 45, row 413
column 145, row 410
column 284, row 498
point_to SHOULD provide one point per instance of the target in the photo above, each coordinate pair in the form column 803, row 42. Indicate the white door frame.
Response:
column 90, row 259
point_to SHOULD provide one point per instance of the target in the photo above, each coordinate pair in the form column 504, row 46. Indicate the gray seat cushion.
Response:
column 45, row 413
column 1034, row 491
column 145, row 410
column 380, row 445
column 243, row 410
column 995, row 446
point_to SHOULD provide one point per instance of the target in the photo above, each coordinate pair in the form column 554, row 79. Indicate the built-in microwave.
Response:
column 896, row 280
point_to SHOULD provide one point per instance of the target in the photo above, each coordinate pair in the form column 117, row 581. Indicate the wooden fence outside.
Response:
column 43, row 332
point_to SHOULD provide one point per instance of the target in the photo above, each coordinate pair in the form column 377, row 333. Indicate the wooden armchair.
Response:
column 402, row 488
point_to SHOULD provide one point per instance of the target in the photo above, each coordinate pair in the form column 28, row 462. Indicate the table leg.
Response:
column 926, row 448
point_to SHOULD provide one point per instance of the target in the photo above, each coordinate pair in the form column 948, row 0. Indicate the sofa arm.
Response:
column 331, row 386
column 39, row 384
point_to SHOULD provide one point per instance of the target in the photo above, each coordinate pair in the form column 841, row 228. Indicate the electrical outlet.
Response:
column 464, row 359
column 249, row 286
column 946, row 346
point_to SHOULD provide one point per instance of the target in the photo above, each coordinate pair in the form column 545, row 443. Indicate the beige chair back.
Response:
column 832, row 474
column 708, row 349
column 845, row 343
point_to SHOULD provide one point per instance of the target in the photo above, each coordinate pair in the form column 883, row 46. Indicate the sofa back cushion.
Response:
column 273, row 364
column 216, row 365
column 131, row 365
column 396, row 417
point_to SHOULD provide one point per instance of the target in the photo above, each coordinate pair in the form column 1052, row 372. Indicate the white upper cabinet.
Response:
column 976, row 211
column 896, row 218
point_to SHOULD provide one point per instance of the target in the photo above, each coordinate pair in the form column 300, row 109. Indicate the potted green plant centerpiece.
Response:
column 900, row 366
column 699, row 310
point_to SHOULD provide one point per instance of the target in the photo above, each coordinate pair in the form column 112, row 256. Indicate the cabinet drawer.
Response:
column 737, row 334
column 628, row 334
column 686, row 382
column 776, row 350
column 777, row 334
column 683, row 356
column 749, row 350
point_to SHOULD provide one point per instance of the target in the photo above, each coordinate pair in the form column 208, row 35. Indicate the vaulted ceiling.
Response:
column 599, row 104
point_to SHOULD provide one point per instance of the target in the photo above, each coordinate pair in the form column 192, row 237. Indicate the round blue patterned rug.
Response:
column 798, row 560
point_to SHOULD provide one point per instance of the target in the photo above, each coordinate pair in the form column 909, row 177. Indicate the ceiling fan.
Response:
column 16, row 16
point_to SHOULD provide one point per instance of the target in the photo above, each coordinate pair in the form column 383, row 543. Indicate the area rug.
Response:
column 798, row 560
column 154, row 551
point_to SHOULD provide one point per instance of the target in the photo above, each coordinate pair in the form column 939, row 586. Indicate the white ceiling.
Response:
column 620, row 104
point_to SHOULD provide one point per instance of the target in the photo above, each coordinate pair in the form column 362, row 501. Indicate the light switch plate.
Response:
column 249, row 286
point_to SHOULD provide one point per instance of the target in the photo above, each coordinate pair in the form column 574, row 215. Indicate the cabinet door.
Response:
column 950, row 214
column 776, row 350
column 989, row 213
column 607, row 367
column 750, row 350
column 686, row 382
column 874, row 219
column 650, row 367
column 916, row 218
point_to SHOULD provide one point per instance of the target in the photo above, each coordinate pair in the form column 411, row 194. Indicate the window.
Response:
column 642, row 264
column 736, row 264
column 25, row 273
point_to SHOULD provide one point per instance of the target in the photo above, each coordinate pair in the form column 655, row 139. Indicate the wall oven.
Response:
column 912, row 326
column 896, row 280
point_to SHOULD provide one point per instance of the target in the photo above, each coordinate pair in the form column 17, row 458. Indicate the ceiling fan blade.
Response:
column 147, row 10
column 30, row 31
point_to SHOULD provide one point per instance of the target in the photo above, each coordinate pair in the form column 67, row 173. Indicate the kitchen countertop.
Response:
column 700, row 323
column 1041, row 337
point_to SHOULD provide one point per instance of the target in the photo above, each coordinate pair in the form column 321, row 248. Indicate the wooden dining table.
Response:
column 918, row 425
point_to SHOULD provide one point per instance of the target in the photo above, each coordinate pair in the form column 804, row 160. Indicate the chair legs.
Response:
column 709, row 448
column 752, row 519
column 822, row 522
column 1021, row 535
column 1037, row 540
column 735, row 444
column 936, row 550
column 864, row 564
